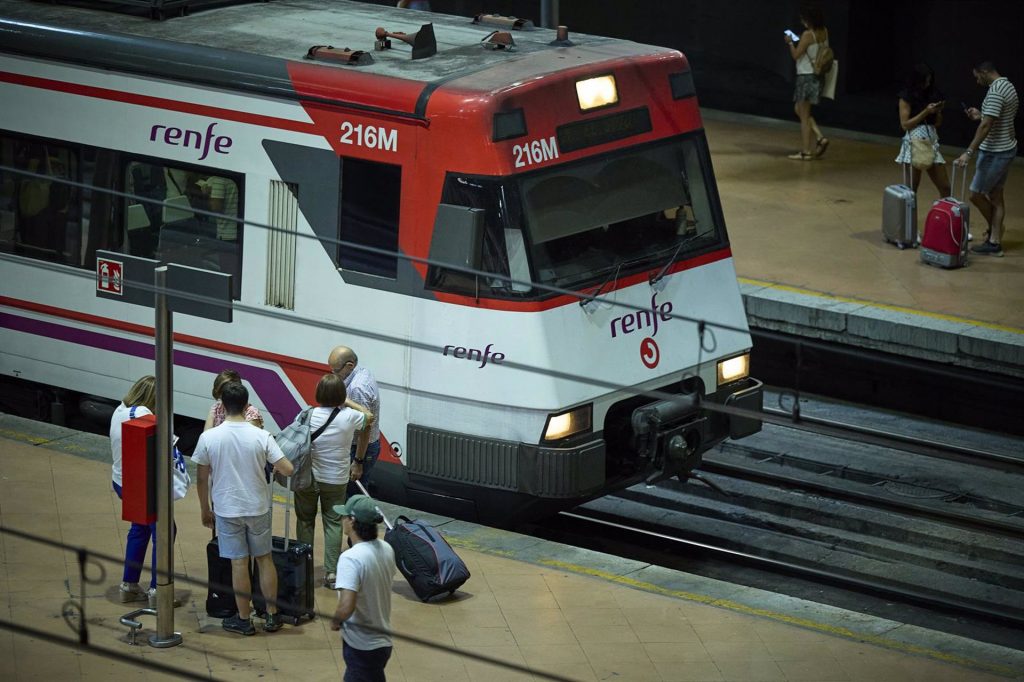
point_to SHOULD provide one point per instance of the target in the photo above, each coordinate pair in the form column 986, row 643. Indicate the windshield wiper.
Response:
column 584, row 301
column 654, row 279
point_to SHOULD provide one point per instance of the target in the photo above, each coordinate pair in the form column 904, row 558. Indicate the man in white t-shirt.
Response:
column 365, row 573
column 233, row 457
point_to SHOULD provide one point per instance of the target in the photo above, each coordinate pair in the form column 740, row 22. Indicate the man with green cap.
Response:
column 364, row 576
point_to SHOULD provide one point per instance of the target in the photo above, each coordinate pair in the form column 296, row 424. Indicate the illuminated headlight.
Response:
column 595, row 93
column 734, row 369
column 565, row 424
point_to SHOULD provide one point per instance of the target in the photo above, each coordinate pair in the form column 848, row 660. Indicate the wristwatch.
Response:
column 359, row 461
column 969, row 152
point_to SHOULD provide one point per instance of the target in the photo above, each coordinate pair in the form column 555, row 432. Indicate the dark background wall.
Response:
column 741, row 64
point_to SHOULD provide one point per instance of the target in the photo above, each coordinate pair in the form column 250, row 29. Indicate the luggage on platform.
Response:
column 424, row 557
column 220, row 598
column 899, row 212
column 295, row 590
column 944, row 242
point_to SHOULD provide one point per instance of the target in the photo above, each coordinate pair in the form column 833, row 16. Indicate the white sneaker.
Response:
column 970, row 237
column 152, row 599
column 131, row 592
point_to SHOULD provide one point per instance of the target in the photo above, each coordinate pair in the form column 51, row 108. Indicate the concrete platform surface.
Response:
column 549, row 609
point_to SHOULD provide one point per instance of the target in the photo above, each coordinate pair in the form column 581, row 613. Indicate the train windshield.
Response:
column 580, row 224
column 637, row 209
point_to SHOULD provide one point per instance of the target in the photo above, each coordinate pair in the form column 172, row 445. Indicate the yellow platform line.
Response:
column 882, row 306
column 825, row 628
column 784, row 618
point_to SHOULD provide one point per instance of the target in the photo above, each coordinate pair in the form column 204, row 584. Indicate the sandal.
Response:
column 821, row 147
column 801, row 156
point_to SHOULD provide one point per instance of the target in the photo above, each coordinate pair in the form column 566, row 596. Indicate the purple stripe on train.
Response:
column 268, row 384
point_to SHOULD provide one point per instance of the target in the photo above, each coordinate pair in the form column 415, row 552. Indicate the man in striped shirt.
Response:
column 995, row 142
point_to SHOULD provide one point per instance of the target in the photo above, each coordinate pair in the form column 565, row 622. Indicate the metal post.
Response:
column 164, row 330
column 549, row 13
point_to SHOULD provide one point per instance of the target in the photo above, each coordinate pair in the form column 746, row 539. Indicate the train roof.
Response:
column 252, row 46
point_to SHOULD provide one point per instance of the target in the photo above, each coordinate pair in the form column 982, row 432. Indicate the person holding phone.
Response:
column 920, row 108
column 995, row 143
column 808, row 85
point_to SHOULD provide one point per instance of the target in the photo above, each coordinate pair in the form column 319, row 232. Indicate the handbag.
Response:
column 824, row 59
column 922, row 153
column 296, row 442
column 180, row 480
column 828, row 82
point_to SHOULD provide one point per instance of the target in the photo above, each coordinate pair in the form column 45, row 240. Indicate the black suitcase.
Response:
column 295, row 590
column 220, row 598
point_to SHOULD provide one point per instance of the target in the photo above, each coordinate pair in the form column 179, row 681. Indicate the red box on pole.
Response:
column 138, row 470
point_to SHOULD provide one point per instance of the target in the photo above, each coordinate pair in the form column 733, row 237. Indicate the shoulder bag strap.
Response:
column 316, row 434
column 131, row 412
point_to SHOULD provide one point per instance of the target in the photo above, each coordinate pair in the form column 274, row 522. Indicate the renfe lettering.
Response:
column 483, row 356
column 176, row 137
column 643, row 319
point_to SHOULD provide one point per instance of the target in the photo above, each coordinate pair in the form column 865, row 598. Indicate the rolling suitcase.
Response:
column 220, row 598
column 294, row 563
column 428, row 562
column 944, row 242
column 899, row 213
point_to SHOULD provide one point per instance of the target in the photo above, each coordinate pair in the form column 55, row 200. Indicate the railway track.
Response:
column 935, row 521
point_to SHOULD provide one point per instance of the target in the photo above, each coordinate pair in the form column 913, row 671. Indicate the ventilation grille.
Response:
column 284, row 215
column 454, row 457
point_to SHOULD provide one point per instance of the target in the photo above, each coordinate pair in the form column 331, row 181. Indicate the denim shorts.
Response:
column 244, row 536
column 991, row 170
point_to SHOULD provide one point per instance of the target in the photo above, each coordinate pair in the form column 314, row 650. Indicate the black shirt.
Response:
column 919, row 99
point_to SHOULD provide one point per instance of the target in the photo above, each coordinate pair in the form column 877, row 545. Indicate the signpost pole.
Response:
column 164, row 331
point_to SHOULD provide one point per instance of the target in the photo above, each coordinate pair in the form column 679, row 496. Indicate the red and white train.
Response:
column 578, row 165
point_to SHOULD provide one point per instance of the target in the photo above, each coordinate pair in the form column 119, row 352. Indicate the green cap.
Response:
column 361, row 508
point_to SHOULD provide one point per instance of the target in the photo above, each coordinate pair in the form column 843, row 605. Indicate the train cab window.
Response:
column 40, row 217
column 503, row 249
column 634, row 210
column 370, row 195
column 177, row 231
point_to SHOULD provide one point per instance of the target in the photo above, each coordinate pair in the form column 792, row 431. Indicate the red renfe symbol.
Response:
column 109, row 276
column 649, row 353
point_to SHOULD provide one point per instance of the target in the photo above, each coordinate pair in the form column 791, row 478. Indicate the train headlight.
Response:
column 568, row 423
column 594, row 93
column 734, row 369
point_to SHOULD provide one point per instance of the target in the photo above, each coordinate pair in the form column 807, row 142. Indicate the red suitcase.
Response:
column 944, row 242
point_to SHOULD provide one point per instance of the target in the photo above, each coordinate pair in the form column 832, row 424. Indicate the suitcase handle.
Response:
column 386, row 522
column 963, row 184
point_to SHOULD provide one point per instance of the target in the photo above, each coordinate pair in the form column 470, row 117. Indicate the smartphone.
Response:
column 792, row 36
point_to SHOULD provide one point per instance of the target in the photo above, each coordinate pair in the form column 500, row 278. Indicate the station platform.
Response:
column 807, row 244
column 547, row 608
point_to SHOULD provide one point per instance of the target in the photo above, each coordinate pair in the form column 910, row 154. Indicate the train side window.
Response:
column 370, row 197
column 39, row 217
column 503, row 251
column 177, row 231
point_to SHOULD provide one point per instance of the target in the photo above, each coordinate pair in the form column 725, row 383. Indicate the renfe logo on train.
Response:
column 474, row 354
column 176, row 137
column 642, row 319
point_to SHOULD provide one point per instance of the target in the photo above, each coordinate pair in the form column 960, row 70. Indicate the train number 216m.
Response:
column 374, row 137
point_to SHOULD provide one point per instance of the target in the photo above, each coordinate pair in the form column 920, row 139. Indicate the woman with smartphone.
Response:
column 921, row 105
column 808, row 85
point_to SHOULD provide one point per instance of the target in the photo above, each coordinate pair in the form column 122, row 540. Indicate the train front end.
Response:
column 608, row 329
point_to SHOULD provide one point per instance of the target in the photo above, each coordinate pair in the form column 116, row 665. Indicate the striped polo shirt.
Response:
column 1001, row 104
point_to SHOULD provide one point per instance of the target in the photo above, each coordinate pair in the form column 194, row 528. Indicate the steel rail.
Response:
column 969, row 521
column 921, row 597
column 921, row 446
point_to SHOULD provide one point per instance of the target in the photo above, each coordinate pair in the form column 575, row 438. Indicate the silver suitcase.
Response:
column 899, row 213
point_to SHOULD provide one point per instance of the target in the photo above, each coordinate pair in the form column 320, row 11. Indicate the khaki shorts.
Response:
column 239, row 537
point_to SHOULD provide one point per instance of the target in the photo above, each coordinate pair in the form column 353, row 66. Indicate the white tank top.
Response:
column 805, row 65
